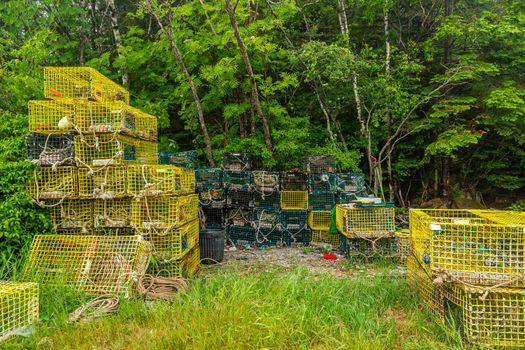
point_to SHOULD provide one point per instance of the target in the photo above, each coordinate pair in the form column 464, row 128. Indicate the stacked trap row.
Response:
column 116, row 211
column 468, row 267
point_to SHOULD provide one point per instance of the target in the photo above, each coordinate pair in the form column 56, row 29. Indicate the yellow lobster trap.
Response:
column 186, row 266
column 320, row 220
column 420, row 281
column 154, row 180
column 51, row 116
column 403, row 244
column 470, row 246
column 294, row 200
column 490, row 318
column 97, row 265
column 73, row 215
column 365, row 222
column 103, row 182
column 113, row 149
column 81, row 83
column 18, row 307
column 112, row 213
column 175, row 243
column 323, row 236
column 162, row 213
column 53, row 183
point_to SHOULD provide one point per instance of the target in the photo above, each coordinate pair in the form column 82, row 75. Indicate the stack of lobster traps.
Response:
column 111, row 204
column 468, row 266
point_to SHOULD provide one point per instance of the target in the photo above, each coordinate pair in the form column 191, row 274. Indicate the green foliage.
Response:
column 518, row 205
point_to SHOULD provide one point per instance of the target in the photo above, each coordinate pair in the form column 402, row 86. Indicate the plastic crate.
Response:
column 186, row 159
column 53, row 183
column 302, row 236
column 473, row 246
column 81, row 83
column 266, row 181
column 187, row 266
column 72, row 214
column 238, row 180
column 268, row 236
column 211, row 217
column 103, row 182
column 365, row 223
column 322, row 236
column 208, row 178
column 293, row 219
column 239, row 217
column 294, row 200
column 108, row 149
column 267, row 200
column 325, row 163
column 236, row 161
column 421, row 283
column 154, row 180
column 238, row 234
column 175, row 242
column 18, row 307
column 239, row 199
column 266, row 218
column 50, row 149
column 350, row 182
column 215, row 198
column 98, row 265
column 113, row 213
column 320, row 220
column 321, row 200
column 294, row 182
column 321, row 182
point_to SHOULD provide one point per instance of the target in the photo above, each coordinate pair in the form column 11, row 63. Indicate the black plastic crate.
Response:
column 266, row 181
column 321, row 200
column 215, row 198
column 239, row 217
column 325, row 163
column 321, row 182
column 208, row 178
column 294, row 219
column 268, row 236
column 239, row 199
column 238, row 180
column 186, row 159
column 212, row 217
column 50, row 149
column 236, row 161
column 294, row 182
column 350, row 182
column 237, row 234
column 266, row 218
column 303, row 236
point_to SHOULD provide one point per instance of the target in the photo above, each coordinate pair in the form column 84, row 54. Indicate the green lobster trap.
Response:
column 350, row 182
column 208, row 178
column 321, row 200
column 236, row 161
column 50, row 150
column 267, row 200
column 18, row 307
column 238, row 180
column 238, row 234
column 321, row 182
column 266, row 181
column 266, row 218
column 325, row 163
column 215, row 198
column 294, row 181
column 268, row 236
column 239, row 217
column 211, row 217
column 297, row 237
column 186, row 159
column 239, row 199
column 293, row 219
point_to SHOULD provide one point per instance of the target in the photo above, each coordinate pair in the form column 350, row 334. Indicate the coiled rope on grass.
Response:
column 101, row 306
column 161, row 288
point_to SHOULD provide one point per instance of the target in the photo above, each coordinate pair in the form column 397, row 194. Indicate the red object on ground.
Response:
column 330, row 256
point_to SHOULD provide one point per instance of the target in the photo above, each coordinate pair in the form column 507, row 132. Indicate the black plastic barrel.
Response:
column 212, row 245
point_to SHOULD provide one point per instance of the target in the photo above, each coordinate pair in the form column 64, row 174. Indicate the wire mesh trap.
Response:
column 322, row 236
column 18, row 307
column 266, row 181
column 403, row 244
column 420, row 282
column 236, row 161
column 173, row 244
column 238, row 180
column 97, row 265
column 103, row 182
column 365, row 222
column 51, row 116
column 81, row 83
column 50, row 150
column 370, row 248
column 321, row 200
column 215, row 198
column 154, row 180
column 348, row 197
column 112, row 213
column 266, row 218
column 294, row 200
column 320, row 220
column 321, row 182
column 243, row 234
column 268, row 236
column 211, row 217
column 187, row 266
column 208, row 178
column 293, row 219
column 475, row 247
column 186, row 159
column 325, row 163
column 239, row 199
column 297, row 237
column 72, row 214
column 294, row 182
column 239, row 217
column 113, row 149
column 350, row 182
column 53, row 183
column 267, row 200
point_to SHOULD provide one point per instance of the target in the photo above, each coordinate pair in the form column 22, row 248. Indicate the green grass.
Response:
column 253, row 307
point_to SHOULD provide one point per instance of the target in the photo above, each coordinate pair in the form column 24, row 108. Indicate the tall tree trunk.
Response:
column 364, row 127
column 116, row 36
column 208, row 17
column 327, row 116
column 388, row 117
column 253, row 82
column 168, row 32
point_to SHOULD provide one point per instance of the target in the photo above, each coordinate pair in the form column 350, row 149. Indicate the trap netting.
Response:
column 18, row 307
column 266, row 218
column 186, row 159
column 365, row 222
column 103, row 182
column 208, row 178
column 294, row 200
column 322, row 236
column 266, row 181
column 113, row 149
column 72, row 215
column 421, row 282
column 239, row 217
column 403, row 244
column 215, row 198
column 154, row 180
column 294, row 182
column 97, row 265
column 236, row 161
column 50, row 150
column 475, row 247
column 293, row 219
column 174, row 244
column 325, row 163
column 239, row 199
column 53, row 183
column 112, row 213
column 369, row 248
column 350, row 182
column 320, row 220
column 51, row 116
column 241, row 180
column 321, row 182
column 267, row 200
column 81, row 83
column 321, row 200
column 211, row 217
column 186, row 266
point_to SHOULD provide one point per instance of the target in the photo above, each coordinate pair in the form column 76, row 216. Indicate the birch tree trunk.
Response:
column 116, row 36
